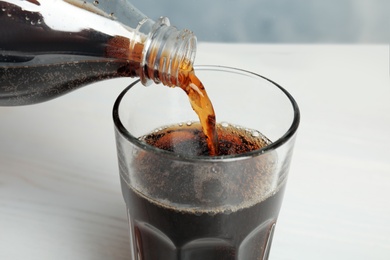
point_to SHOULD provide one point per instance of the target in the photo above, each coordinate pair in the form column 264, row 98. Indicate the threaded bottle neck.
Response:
column 167, row 51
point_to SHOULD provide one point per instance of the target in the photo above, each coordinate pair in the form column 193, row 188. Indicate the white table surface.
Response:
column 59, row 185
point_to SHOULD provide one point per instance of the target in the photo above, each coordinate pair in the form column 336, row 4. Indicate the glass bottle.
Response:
column 51, row 47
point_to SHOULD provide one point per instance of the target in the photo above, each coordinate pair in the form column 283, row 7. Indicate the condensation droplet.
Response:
column 255, row 133
column 189, row 123
column 180, row 124
column 33, row 22
column 3, row 9
column 95, row 2
column 111, row 15
column 27, row 18
column 9, row 14
column 214, row 170
column 224, row 124
column 39, row 21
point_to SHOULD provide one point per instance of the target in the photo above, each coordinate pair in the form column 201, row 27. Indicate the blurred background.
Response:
column 277, row 21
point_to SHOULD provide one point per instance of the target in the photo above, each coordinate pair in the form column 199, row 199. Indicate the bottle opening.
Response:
column 167, row 51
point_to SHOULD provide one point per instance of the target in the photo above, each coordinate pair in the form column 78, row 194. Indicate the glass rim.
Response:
column 273, row 146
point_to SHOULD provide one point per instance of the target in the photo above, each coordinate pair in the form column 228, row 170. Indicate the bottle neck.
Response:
column 167, row 51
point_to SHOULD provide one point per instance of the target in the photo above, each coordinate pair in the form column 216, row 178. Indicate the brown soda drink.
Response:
column 185, row 204
column 202, row 106
column 236, row 214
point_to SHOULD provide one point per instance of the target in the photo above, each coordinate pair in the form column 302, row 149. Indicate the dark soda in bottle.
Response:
column 48, row 48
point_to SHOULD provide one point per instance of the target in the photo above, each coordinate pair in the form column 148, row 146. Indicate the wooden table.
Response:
column 60, row 196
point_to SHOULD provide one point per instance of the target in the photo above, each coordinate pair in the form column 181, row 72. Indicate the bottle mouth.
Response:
column 167, row 51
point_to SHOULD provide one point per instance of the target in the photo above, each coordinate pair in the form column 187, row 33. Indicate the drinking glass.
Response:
column 205, row 207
